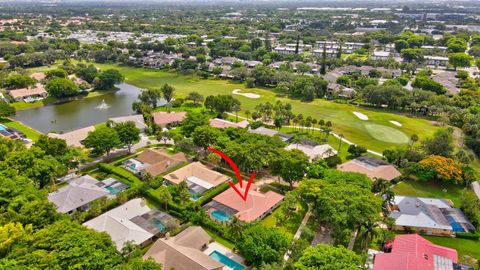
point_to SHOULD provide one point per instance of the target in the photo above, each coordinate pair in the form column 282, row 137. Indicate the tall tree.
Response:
column 128, row 133
column 102, row 140
column 167, row 91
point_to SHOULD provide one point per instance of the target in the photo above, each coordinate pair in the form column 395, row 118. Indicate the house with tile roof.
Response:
column 77, row 195
column 74, row 137
column 313, row 150
column 37, row 92
column 430, row 216
column 168, row 118
column 188, row 250
column 413, row 252
column 137, row 119
column 220, row 123
column 199, row 177
column 123, row 225
column 257, row 206
column 374, row 168
column 154, row 162
column 271, row 132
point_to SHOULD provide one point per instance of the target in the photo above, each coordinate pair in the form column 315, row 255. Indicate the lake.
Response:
column 82, row 112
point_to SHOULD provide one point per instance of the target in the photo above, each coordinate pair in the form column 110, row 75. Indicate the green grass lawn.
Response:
column 341, row 115
column 464, row 247
column 29, row 132
column 430, row 189
column 288, row 227
column 220, row 239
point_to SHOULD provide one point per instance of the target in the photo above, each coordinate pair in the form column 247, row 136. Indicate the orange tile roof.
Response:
column 387, row 172
column 254, row 207
column 164, row 118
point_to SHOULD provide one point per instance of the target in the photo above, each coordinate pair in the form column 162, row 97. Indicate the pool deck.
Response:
column 214, row 246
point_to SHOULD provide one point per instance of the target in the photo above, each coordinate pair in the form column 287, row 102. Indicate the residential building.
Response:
column 164, row 119
column 413, row 252
column 220, row 123
column 428, row 216
column 313, row 150
column 336, row 89
column 199, row 178
column 28, row 94
column 256, row 207
column 75, row 137
column 38, row 76
column 271, row 132
column 132, row 222
column 192, row 249
column 154, row 162
column 381, row 55
column 137, row 119
column 374, row 168
column 77, row 195
column 436, row 60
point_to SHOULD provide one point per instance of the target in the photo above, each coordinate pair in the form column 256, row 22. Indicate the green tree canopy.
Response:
column 325, row 257
column 102, row 140
column 61, row 87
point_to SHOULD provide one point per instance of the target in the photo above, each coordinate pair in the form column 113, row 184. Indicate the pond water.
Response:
column 82, row 112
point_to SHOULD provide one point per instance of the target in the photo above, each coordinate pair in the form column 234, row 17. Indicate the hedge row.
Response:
column 209, row 194
column 472, row 236
column 126, row 175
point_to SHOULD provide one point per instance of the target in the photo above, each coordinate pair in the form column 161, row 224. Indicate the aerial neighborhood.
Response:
column 235, row 135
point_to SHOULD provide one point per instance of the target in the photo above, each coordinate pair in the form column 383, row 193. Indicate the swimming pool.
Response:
column 114, row 190
column 217, row 256
column 157, row 223
column 220, row 215
column 2, row 127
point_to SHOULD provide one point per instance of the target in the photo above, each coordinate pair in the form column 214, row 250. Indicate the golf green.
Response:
column 386, row 134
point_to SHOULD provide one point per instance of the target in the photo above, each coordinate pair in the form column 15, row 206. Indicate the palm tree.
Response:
column 247, row 114
column 340, row 143
column 236, row 109
column 295, row 121
column 413, row 139
column 235, row 227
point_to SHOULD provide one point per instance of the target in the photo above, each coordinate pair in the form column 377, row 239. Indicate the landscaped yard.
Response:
column 430, row 189
column 464, row 247
column 29, row 132
column 341, row 115
column 288, row 227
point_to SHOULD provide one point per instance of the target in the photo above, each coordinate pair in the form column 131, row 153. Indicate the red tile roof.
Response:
column 164, row 118
column 254, row 207
column 413, row 252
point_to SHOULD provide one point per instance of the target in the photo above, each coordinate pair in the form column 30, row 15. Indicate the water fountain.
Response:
column 103, row 105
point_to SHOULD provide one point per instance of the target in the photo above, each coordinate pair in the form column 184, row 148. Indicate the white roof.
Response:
column 137, row 119
column 117, row 224
column 77, row 193
column 476, row 188
column 320, row 151
column 440, row 58
column 197, row 181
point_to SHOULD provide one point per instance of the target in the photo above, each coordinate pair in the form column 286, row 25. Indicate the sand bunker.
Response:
column 248, row 95
column 361, row 116
column 396, row 123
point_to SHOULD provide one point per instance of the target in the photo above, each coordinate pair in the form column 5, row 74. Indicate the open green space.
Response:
column 341, row 115
column 29, row 132
column 289, row 227
column 464, row 247
column 430, row 189
column 387, row 134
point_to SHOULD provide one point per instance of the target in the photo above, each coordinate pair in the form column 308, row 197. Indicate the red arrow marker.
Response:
column 237, row 173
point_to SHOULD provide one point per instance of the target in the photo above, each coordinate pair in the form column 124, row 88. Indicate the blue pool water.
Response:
column 193, row 195
column 133, row 167
column 456, row 227
column 2, row 127
column 157, row 223
column 114, row 190
column 217, row 256
column 220, row 215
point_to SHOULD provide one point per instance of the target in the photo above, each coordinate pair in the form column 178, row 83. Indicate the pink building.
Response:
column 413, row 252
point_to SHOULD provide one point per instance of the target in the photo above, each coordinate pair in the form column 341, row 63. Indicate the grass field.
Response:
column 464, row 247
column 341, row 115
column 288, row 227
column 29, row 132
column 429, row 189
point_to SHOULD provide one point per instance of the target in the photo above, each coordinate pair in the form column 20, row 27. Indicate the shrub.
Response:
column 472, row 236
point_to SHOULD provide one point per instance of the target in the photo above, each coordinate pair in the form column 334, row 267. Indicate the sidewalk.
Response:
column 298, row 233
